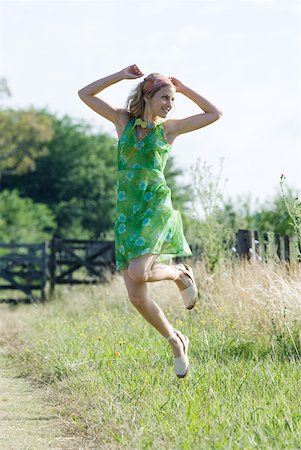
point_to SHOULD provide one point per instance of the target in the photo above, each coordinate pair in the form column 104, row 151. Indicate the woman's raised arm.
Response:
column 88, row 93
column 179, row 126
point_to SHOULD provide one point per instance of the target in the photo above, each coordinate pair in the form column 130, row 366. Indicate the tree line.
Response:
column 58, row 178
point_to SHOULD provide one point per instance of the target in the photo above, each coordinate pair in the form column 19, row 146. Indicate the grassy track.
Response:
column 27, row 421
column 113, row 373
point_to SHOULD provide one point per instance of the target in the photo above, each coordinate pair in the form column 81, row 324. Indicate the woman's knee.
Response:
column 139, row 268
column 136, row 301
column 137, row 292
column 137, row 272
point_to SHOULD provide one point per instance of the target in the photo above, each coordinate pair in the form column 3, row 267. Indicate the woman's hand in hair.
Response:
column 131, row 72
column 177, row 84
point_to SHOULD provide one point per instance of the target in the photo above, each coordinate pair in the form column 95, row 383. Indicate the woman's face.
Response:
column 162, row 102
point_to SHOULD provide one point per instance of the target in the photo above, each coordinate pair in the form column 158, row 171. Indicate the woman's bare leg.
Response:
column 139, row 297
column 144, row 268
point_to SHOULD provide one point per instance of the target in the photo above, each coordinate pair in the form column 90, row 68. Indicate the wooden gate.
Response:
column 87, row 258
column 23, row 268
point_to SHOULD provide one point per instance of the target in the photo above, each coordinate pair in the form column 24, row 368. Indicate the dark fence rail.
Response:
column 267, row 245
column 68, row 258
column 25, row 268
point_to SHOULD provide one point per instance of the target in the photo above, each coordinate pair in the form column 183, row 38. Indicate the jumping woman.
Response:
column 148, row 230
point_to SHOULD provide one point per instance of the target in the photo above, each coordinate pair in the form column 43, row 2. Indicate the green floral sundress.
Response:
column 145, row 220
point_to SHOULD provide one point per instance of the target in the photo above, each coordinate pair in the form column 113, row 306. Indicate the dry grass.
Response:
column 253, row 291
column 113, row 373
column 258, row 295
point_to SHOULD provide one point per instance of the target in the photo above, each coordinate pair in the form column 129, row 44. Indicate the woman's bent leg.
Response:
column 139, row 297
column 144, row 268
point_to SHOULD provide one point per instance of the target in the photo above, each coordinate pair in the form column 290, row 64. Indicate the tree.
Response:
column 22, row 220
column 270, row 215
column 77, row 179
column 4, row 89
column 24, row 135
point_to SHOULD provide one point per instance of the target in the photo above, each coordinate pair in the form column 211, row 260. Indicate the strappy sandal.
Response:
column 181, row 362
column 189, row 294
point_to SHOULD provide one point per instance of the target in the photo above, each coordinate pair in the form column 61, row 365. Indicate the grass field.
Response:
column 112, row 373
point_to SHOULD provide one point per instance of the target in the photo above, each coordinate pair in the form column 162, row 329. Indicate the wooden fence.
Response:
column 25, row 268
column 267, row 245
column 69, row 257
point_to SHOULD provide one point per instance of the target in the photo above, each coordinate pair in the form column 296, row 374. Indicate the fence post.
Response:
column 287, row 248
column 278, row 245
column 52, row 266
column 44, row 271
column 247, row 244
column 256, row 244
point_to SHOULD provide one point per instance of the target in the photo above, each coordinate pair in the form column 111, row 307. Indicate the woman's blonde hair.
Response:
column 135, row 103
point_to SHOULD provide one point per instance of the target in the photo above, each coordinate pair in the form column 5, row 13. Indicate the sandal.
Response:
column 181, row 362
column 189, row 294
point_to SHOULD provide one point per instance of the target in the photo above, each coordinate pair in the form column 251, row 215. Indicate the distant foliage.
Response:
column 22, row 220
column 293, row 206
column 4, row 88
column 210, row 230
column 77, row 177
column 216, row 219
column 71, row 169
column 269, row 216
column 24, row 137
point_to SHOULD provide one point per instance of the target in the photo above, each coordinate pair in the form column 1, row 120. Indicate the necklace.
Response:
column 143, row 123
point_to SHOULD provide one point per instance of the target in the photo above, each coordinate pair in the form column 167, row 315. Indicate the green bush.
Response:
column 23, row 220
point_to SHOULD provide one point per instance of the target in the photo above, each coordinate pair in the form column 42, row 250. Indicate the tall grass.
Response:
column 209, row 228
column 293, row 206
column 112, row 373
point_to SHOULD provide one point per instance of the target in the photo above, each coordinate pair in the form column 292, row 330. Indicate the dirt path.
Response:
column 27, row 422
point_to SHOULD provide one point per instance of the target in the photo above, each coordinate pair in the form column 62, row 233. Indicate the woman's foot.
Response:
column 179, row 344
column 186, row 284
column 176, row 345
column 182, row 281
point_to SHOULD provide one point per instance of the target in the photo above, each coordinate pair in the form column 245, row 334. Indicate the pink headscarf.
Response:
column 155, row 82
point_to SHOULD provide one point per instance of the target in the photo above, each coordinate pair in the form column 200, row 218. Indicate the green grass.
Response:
column 112, row 373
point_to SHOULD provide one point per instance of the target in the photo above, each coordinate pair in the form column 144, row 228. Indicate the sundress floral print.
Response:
column 145, row 220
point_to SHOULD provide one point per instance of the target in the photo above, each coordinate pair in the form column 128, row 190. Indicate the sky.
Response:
column 242, row 56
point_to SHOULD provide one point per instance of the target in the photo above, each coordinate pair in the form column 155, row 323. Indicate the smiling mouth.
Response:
column 166, row 110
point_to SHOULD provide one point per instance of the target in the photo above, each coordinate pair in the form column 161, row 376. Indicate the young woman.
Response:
column 148, row 231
